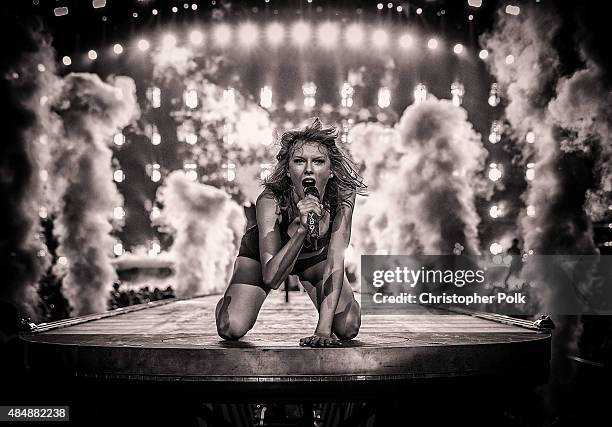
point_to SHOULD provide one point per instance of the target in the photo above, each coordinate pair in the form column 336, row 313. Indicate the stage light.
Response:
column 154, row 11
column 300, row 33
column 510, row 59
column 354, row 35
column 432, row 44
column 384, row 97
column 174, row 9
column 168, row 41
column 97, row 4
column 390, row 5
column 118, row 175
column 405, row 41
column 190, row 171
column 222, row 34
column 42, row 212
column 457, row 92
column 155, row 138
column 496, row 211
column 513, row 10
column 191, row 138
column 265, row 97
column 41, row 68
column 119, row 139
column 44, row 175
column 62, row 260
column 275, row 33
column 155, row 213
column 419, row 11
column 118, row 249
column 194, row 7
column 530, row 172
column 494, row 95
column 531, row 211
column 155, row 172
column 458, row 49
column 143, row 45
column 66, row 60
column 119, row 212
column 231, row 171
column 196, row 37
column 190, row 97
column 327, row 34
column 399, row 8
column 483, row 54
column 470, row 17
column 380, row 38
column 60, row 11
column 475, row 3
column 496, row 131
column 530, row 137
column 495, row 172
column 346, row 95
column 379, row 6
column 420, row 93
column 118, row 49
column 92, row 54
column 309, row 89
column 496, row 248
column 154, row 96
column 248, row 34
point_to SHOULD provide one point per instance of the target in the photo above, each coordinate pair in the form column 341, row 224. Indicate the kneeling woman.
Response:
column 281, row 244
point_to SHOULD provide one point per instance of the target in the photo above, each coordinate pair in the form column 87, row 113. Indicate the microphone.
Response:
column 313, row 219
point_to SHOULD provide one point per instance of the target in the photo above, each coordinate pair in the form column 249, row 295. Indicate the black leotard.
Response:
column 308, row 256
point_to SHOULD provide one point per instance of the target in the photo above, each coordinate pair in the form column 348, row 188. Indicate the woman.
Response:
column 280, row 245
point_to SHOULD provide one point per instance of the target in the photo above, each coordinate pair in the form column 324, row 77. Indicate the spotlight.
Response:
column 458, row 48
column 419, row 11
column 354, row 35
column 143, row 45
column 66, row 60
column 169, row 41
column 510, row 59
column 432, row 44
column 379, row 6
column 530, row 137
column 513, row 10
column 92, row 54
column 118, row 49
column 483, row 54
column 275, row 33
column 300, row 33
column 328, row 34
column 475, row 3
column 222, row 34
column 405, row 41
column 196, row 37
column 248, row 34
column 380, row 38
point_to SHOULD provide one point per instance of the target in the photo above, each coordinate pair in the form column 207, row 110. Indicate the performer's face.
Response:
column 309, row 160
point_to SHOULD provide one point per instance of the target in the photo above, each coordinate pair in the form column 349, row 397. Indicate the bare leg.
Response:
column 347, row 319
column 237, row 311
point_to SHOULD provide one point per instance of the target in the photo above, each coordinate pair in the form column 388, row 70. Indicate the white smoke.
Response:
column 423, row 179
column 89, row 113
column 207, row 227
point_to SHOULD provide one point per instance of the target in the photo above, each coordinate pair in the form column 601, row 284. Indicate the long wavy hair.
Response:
column 339, row 188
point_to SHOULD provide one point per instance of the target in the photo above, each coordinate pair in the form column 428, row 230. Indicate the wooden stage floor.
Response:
column 176, row 341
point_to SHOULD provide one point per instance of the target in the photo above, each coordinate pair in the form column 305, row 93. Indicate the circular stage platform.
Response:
column 175, row 342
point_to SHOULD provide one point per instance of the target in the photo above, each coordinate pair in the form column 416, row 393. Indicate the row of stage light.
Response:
column 326, row 36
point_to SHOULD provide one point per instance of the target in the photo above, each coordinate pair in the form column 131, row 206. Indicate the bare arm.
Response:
column 276, row 262
column 333, row 274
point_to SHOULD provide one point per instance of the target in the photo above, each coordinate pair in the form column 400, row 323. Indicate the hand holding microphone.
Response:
column 310, row 208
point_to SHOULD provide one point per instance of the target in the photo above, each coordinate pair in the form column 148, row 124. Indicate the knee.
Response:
column 229, row 327
column 350, row 324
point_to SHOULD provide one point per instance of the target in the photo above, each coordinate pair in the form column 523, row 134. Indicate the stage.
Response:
column 175, row 342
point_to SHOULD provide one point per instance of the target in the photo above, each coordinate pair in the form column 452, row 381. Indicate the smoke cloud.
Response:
column 207, row 227
column 89, row 112
column 424, row 177
column 25, row 72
